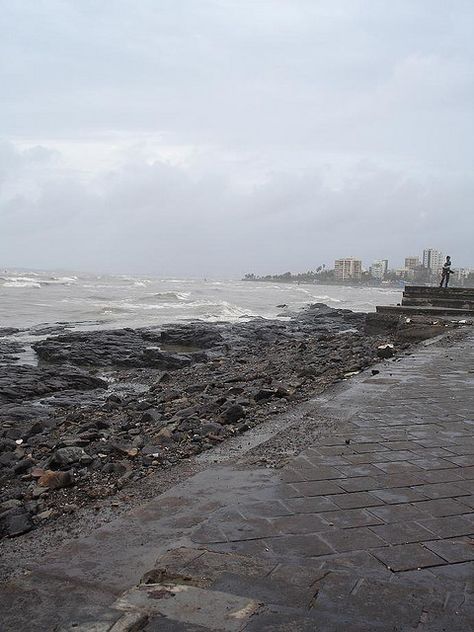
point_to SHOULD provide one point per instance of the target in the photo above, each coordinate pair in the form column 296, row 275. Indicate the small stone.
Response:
column 45, row 514
column 12, row 503
column 15, row 522
column 65, row 457
column 115, row 399
column 385, row 351
column 155, row 417
column 56, row 480
column 264, row 394
column 22, row 466
column 233, row 413
column 35, row 429
column 39, row 491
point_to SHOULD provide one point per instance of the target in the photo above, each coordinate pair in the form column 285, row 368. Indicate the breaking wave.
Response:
column 21, row 283
column 208, row 310
column 168, row 296
column 36, row 281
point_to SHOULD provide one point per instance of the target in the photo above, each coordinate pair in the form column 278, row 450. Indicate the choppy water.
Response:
column 30, row 298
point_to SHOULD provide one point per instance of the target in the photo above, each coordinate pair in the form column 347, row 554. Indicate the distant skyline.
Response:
column 219, row 137
column 397, row 263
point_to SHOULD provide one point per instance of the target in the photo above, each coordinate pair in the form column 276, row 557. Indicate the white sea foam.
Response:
column 21, row 282
column 207, row 310
column 65, row 279
column 316, row 297
column 167, row 296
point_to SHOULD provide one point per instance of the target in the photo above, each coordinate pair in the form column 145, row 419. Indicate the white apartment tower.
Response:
column 412, row 262
column 432, row 259
column 348, row 268
column 379, row 269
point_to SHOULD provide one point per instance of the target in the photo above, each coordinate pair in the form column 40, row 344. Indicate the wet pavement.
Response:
column 370, row 528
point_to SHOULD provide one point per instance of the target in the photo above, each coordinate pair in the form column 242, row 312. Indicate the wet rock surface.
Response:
column 9, row 349
column 104, row 409
column 20, row 382
column 117, row 348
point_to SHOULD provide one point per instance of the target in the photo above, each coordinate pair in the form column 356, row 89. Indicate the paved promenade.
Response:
column 370, row 528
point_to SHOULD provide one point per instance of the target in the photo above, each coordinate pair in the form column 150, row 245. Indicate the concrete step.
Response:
column 455, row 303
column 438, row 292
column 425, row 311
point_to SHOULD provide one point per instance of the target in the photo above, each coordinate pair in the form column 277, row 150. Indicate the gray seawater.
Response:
column 96, row 302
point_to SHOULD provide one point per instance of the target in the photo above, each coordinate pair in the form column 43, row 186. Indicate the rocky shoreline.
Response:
column 104, row 409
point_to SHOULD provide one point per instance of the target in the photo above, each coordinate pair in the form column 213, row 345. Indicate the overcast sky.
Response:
column 218, row 137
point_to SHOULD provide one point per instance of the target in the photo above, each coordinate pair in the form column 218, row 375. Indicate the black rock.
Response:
column 15, row 522
column 7, row 445
column 23, row 466
column 156, row 358
column 11, row 503
column 118, row 347
column 35, row 428
column 264, row 394
column 211, row 427
column 7, row 459
column 114, row 398
column 8, row 331
column 155, row 417
column 233, row 414
column 200, row 335
column 65, row 457
column 385, row 351
column 20, row 382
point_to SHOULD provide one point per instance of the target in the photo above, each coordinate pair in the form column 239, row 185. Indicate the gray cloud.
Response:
column 224, row 136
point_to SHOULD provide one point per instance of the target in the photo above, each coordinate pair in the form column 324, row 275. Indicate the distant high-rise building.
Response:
column 432, row 259
column 379, row 269
column 348, row 269
column 412, row 262
column 460, row 274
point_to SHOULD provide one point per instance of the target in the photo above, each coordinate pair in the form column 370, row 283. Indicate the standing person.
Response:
column 446, row 272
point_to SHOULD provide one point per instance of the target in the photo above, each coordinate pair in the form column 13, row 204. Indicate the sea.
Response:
column 87, row 301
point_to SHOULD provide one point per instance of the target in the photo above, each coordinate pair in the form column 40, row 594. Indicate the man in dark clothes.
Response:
column 446, row 272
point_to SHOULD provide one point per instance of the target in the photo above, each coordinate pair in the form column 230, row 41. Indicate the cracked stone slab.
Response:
column 214, row 610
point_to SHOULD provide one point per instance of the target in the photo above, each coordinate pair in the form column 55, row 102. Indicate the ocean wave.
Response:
column 64, row 279
column 167, row 296
column 202, row 309
column 324, row 297
column 177, row 281
column 136, row 281
column 20, row 282
column 37, row 281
